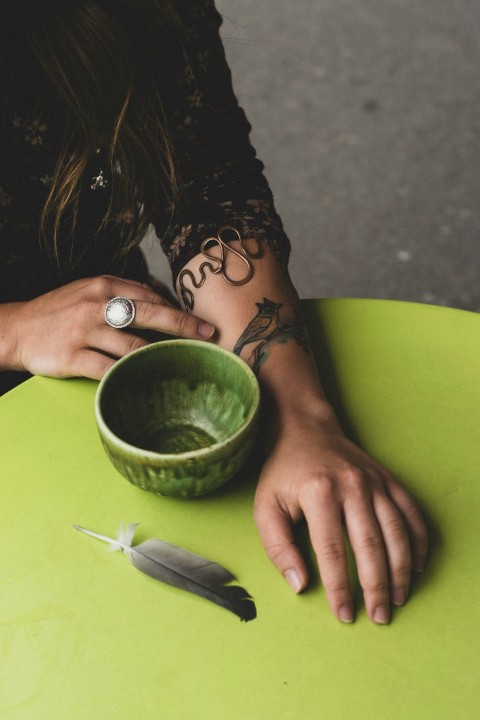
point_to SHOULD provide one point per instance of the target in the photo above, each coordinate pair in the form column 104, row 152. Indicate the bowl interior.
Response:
column 177, row 396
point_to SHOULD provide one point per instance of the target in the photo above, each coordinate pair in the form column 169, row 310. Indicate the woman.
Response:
column 119, row 114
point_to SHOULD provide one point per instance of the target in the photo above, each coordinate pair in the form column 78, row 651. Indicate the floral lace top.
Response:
column 210, row 134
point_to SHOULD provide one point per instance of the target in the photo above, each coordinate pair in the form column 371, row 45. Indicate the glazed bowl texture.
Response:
column 178, row 417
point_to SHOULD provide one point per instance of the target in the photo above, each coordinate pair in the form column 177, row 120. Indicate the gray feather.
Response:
column 183, row 569
column 181, row 561
column 179, row 567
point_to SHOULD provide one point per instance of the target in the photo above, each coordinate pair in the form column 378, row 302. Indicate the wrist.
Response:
column 292, row 412
column 9, row 354
column 290, row 404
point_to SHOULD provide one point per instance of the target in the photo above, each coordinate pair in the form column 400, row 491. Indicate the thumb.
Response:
column 275, row 529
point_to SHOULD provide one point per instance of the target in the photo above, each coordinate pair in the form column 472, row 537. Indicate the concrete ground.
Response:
column 367, row 117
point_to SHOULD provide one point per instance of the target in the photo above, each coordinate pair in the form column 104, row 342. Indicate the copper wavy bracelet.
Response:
column 219, row 263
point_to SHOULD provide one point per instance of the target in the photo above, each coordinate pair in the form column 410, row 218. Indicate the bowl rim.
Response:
column 191, row 454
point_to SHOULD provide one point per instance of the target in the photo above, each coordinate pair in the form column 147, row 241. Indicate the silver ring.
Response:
column 119, row 312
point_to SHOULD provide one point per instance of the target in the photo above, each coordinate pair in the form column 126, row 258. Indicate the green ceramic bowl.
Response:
column 178, row 417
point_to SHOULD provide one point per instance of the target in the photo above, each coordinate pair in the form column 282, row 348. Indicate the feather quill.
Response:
column 179, row 567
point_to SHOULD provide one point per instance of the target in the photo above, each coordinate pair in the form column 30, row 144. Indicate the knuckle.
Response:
column 182, row 323
column 104, row 365
column 332, row 552
column 376, row 586
column 396, row 529
column 317, row 490
column 69, row 352
column 276, row 552
column 160, row 300
column 71, row 361
column 354, row 479
column 93, row 367
column 135, row 343
column 102, row 286
column 403, row 570
column 412, row 513
column 340, row 587
column 371, row 545
column 417, row 525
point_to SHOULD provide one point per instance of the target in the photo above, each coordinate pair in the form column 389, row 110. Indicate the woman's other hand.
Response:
column 64, row 333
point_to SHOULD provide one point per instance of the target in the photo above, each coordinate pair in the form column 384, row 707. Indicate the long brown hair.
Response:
column 109, row 60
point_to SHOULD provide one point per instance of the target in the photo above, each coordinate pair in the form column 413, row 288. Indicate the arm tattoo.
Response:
column 270, row 325
column 218, row 263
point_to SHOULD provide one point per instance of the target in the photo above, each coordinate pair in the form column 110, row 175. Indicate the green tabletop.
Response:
column 85, row 636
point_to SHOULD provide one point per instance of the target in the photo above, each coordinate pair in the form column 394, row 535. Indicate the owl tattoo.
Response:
column 268, row 326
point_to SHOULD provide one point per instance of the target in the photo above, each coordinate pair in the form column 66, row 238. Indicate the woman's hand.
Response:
column 314, row 471
column 64, row 333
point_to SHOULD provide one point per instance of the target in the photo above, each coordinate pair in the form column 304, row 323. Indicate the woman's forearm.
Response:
column 261, row 321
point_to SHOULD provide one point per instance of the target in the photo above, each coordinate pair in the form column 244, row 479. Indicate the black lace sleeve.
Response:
column 222, row 179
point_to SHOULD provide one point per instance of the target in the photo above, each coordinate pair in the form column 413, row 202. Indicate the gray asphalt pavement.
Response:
column 367, row 117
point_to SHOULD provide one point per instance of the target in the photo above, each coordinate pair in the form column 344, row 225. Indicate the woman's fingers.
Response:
column 324, row 519
column 113, row 342
column 275, row 530
column 152, row 311
column 367, row 544
column 152, row 315
column 414, row 522
column 90, row 364
column 397, row 547
column 165, row 318
column 380, row 542
column 162, row 318
column 377, row 532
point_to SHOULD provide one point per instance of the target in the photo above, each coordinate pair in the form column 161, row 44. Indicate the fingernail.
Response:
column 381, row 615
column 205, row 329
column 345, row 614
column 399, row 597
column 291, row 576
